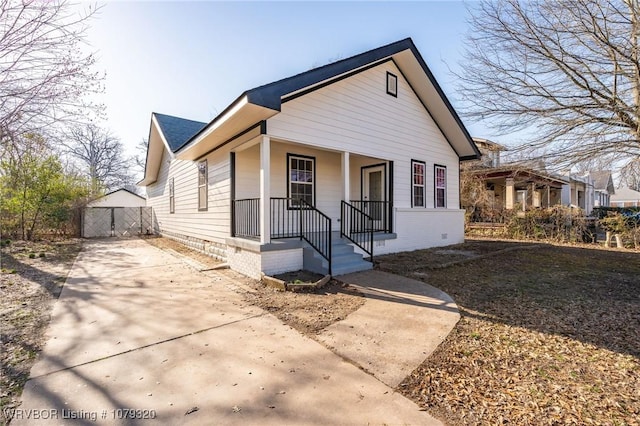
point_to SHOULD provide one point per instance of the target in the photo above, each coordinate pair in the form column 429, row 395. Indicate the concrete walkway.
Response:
column 136, row 328
column 399, row 326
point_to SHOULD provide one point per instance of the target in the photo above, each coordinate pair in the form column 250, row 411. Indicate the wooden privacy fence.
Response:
column 118, row 221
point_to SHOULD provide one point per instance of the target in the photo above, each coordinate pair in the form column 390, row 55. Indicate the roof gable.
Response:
column 602, row 181
column 177, row 131
column 106, row 200
column 260, row 103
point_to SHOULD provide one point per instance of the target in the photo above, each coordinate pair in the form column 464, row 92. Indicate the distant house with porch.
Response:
column 512, row 185
column 318, row 171
column 579, row 192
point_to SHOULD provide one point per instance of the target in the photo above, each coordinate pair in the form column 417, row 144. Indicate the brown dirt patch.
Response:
column 548, row 335
column 32, row 276
column 308, row 312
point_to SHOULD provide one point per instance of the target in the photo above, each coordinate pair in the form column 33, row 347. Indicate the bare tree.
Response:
column 100, row 155
column 44, row 75
column 140, row 157
column 630, row 175
column 566, row 71
column 595, row 164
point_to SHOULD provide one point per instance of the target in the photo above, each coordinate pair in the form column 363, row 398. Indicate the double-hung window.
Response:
column 301, row 179
column 203, row 185
column 440, row 177
column 417, row 183
column 172, row 196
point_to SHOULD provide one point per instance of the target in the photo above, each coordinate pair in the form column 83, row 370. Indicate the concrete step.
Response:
column 344, row 259
column 351, row 267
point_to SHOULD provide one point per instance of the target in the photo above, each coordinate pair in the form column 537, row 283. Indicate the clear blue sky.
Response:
column 192, row 59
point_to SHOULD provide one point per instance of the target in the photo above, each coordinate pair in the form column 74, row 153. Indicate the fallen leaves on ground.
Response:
column 548, row 335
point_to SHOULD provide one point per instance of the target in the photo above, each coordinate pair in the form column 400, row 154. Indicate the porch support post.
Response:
column 265, row 190
column 346, row 175
column 548, row 196
column 510, row 194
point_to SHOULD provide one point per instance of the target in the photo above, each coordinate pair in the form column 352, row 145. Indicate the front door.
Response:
column 373, row 194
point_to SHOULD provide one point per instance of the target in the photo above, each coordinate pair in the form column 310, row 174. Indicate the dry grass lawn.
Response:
column 548, row 334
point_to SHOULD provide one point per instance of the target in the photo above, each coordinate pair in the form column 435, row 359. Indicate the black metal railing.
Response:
column 379, row 211
column 246, row 218
column 315, row 229
column 357, row 227
column 285, row 218
column 289, row 219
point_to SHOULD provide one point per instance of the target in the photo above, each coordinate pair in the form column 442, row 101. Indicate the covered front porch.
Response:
column 283, row 192
column 522, row 189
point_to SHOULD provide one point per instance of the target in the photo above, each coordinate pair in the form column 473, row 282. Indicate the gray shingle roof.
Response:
column 601, row 179
column 177, row 131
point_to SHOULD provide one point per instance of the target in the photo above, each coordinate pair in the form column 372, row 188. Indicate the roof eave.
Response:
column 233, row 121
column 154, row 148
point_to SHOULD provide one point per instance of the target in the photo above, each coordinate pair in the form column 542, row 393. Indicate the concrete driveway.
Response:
column 136, row 328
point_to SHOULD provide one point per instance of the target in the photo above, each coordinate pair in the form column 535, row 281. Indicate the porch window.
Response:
column 417, row 183
column 440, row 186
column 172, row 196
column 203, row 185
column 301, row 179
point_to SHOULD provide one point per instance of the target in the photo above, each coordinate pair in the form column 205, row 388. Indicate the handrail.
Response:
column 357, row 227
column 290, row 218
column 379, row 211
column 315, row 229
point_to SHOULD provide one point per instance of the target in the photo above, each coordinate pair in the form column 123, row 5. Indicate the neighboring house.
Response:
column 625, row 197
column 603, row 187
column 356, row 158
column 513, row 185
column 579, row 192
column 119, row 198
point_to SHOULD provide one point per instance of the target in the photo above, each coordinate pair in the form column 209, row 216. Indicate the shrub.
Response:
column 558, row 223
column 624, row 223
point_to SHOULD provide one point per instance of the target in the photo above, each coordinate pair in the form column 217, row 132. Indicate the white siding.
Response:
column 120, row 198
column 210, row 225
column 357, row 115
column 328, row 183
column 422, row 228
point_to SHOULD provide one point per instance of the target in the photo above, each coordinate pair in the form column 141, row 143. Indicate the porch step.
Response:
column 344, row 260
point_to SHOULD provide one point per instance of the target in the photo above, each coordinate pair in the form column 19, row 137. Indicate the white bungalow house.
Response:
column 320, row 171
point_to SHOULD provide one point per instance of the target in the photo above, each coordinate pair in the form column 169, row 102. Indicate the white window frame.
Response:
column 415, row 185
column 439, row 187
column 203, row 185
